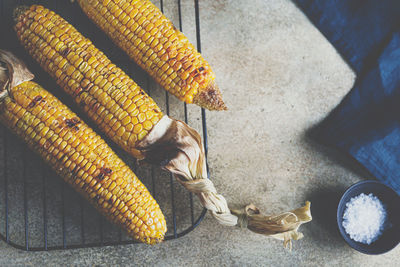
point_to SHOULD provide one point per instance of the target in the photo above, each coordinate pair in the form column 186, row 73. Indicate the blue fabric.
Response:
column 366, row 123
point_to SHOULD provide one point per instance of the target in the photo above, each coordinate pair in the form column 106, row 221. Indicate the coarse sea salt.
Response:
column 364, row 218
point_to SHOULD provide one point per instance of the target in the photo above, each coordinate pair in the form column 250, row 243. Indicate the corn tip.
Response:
column 210, row 98
column 18, row 11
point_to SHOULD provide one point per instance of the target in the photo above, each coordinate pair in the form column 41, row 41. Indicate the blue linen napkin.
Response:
column 366, row 124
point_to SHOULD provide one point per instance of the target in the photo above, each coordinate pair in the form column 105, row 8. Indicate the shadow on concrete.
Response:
column 323, row 209
column 326, row 198
column 337, row 156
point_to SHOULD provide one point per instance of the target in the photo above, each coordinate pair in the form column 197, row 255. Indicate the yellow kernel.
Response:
column 131, row 108
column 142, row 134
column 129, row 127
column 126, row 135
column 189, row 98
column 147, row 125
column 126, row 120
column 149, row 114
column 143, row 108
column 120, row 131
column 135, row 120
column 140, row 102
column 112, row 186
column 138, row 128
column 116, row 126
column 91, row 60
column 78, row 62
column 62, row 63
column 141, row 117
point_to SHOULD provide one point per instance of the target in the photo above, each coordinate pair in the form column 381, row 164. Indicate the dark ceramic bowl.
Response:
column 390, row 237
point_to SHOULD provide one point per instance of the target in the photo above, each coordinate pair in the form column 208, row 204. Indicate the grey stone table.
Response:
column 279, row 78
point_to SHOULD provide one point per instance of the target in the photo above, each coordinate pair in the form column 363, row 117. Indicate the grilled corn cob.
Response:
column 113, row 100
column 78, row 154
column 151, row 40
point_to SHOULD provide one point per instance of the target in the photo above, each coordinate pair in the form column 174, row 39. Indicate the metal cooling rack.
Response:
column 38, row 211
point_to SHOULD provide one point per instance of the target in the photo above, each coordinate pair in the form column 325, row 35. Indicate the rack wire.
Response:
column 38, row 211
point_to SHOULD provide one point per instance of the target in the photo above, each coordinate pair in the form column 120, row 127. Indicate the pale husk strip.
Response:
column 176, row 147
column 13, row 72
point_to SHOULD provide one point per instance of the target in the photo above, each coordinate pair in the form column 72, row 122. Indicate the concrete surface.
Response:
column 279, row 78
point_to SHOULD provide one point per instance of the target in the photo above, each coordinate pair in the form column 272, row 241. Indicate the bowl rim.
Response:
column 341, row 228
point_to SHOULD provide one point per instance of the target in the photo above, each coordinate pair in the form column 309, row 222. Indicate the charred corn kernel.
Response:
column 107, row 174
column 152, row 41
column 110, row 98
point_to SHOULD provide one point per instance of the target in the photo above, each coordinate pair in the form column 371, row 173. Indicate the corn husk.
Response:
column 177, row 148
column 12, row 72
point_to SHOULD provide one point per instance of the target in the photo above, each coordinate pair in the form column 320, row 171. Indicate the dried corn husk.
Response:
column 12, row 72
column 178, row 148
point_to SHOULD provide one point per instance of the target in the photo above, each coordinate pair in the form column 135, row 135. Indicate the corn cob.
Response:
column 110, row 98
column 79, row 155
column 151, row 40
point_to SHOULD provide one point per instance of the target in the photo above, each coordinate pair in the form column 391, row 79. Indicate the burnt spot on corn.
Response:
column 110, row 201
column 103, row 172
column 107, row 171
column 65, row 52
column 77, row 92
column 64, row 158
column 96, row 107
column 87, row 87
column 75, row 170
column 35, row 101
column 100, row 177
column 57, row 124
column 212, row 93
column 201, row 69
column 47, row 144
column 72, row 123
column 103, row 71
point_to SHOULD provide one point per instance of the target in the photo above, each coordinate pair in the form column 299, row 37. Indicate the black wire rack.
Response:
column 38, row 211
